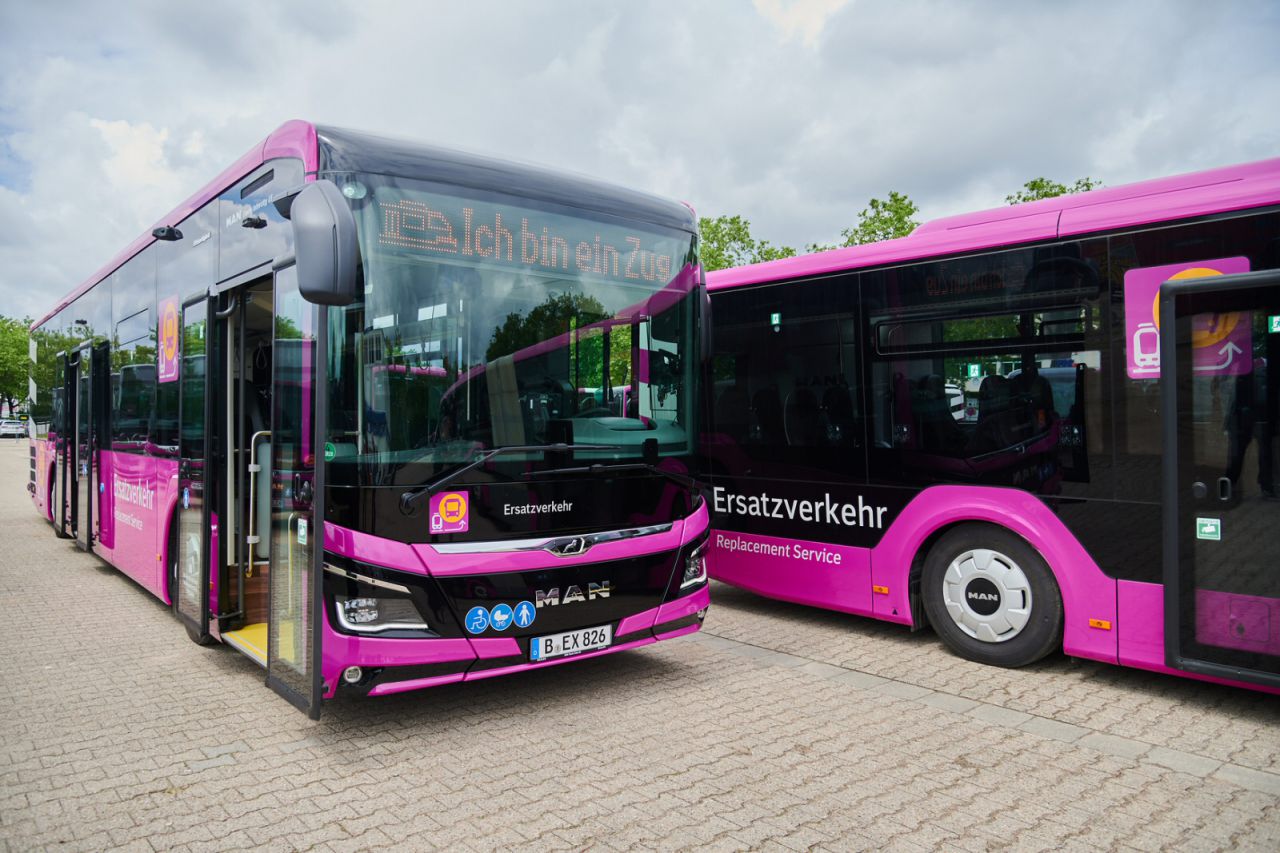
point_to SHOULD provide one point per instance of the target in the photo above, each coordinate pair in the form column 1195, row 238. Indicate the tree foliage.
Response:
column 14, row 361
column 1038, row 188
column 726, row 241
column 881, row 219
column 555, row 316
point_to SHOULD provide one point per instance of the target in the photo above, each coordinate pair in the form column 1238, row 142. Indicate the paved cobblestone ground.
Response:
column 778, row 727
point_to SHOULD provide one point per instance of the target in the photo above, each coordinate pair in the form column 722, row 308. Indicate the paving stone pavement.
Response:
column 778, row 727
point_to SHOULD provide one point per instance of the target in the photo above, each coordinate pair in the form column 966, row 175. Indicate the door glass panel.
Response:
column 293, row 535
column 84, row 453
column 191, row 520
column 1229, row 518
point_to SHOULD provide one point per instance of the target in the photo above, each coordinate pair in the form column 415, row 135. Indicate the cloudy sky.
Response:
column 790, row 112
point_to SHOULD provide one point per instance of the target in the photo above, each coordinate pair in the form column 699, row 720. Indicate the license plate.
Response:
column 570, row 643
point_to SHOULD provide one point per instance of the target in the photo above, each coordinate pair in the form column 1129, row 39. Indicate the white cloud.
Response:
column 792, row 113
column 803, row 19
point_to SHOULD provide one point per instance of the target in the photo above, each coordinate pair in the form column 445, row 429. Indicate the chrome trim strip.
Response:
column 500, row 546
column 350, row 575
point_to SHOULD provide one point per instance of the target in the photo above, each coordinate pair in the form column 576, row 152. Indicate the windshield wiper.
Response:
column 598, row 469
column 409, row 498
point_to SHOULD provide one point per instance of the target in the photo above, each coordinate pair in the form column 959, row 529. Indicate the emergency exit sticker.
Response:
column 450, row 512
column 1209, row 528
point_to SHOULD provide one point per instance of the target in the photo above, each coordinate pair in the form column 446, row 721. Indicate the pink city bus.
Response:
column 1047, row 426
column 328, row 409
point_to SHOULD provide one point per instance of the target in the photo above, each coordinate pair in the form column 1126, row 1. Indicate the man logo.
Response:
column 983, row 596
column 552, row 597
column 570, row 547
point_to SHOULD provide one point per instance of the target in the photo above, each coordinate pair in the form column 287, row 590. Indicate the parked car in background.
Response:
column 13, row 429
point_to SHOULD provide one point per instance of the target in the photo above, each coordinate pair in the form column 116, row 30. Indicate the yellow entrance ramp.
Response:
column 251, row 640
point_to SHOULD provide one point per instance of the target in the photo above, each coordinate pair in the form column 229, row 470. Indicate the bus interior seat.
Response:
column 838, row 403
column 1036, row 394
column 803, row 419
column 767, row 407
column 733, row 412
column 937, row 428
column 999, row 423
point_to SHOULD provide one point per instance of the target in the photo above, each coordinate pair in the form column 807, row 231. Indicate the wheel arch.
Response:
column 1088, row 595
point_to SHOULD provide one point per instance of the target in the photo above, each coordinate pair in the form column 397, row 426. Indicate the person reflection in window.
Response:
column 1246, row 421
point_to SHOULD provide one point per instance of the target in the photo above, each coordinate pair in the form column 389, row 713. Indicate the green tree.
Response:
column 15, row 361
column 726, row 241
column 1038, row 188
column 557, row 315
column 881, row 219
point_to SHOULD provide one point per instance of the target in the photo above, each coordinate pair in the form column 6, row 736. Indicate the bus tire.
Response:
column 991, row 597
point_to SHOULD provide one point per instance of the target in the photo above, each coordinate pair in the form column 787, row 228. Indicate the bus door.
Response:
column 90, row 368
column 1220, row 374
column 64, row 445
column 294, row 604
column 194, row 403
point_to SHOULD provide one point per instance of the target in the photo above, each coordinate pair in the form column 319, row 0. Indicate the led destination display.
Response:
column 506, row 235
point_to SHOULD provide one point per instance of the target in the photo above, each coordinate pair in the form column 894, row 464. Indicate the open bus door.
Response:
column 295, row 602
column 63, row 448
column 193, row 521
column 1220, row 365
column 87, row 368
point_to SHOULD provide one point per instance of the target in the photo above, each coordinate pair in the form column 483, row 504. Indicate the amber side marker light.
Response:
column 1104, row 624
column 880, row 590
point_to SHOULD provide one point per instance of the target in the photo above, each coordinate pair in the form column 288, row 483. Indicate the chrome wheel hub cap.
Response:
column 987, row 595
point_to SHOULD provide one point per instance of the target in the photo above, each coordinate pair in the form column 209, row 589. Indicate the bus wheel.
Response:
column 991, row 597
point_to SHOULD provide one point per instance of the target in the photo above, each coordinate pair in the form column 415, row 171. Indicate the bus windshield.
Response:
column 490, row 321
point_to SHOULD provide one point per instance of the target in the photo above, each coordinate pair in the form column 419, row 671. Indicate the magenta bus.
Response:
column 328, row 409
column 1047, row 426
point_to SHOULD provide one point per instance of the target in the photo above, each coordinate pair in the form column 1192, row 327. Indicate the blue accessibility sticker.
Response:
column 525, row 614
column 500, row 616
column 477, row 620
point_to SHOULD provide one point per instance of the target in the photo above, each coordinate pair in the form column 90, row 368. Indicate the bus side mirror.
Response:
column 325, row 245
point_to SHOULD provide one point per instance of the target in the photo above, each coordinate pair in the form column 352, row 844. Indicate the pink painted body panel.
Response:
column 494, row 647
column 668, row 612
column 46, row 457
column 1196, row 194
column 372, row 549
column 415, row 684
column 130, row 517
column 342, row 650
column 753, row 562
column 1087, row 593
column 1141, row 634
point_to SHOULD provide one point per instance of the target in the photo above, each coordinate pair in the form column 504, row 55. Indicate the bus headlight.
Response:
column 369, row 614
column 695, row 567
column 363, row 604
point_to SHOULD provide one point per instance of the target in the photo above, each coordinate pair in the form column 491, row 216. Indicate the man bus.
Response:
column 1106, row 484
column 328, row 410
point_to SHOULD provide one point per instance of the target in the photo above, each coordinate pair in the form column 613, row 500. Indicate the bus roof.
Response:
column 344, row 150
column 1195, row 194
column 351, row 151
column 294, row 138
